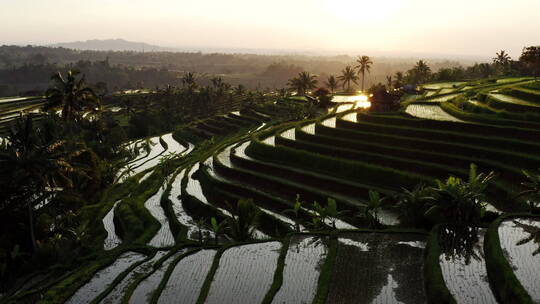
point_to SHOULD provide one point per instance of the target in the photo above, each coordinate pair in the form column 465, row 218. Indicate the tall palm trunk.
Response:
column 363, row 74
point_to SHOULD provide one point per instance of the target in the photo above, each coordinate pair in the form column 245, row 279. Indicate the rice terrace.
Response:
column 180, row 176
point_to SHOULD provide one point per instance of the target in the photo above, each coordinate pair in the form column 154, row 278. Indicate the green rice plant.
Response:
column 241, row 224
column 217, row 228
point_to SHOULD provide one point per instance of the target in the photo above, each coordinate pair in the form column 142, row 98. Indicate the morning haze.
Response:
column 473, row 28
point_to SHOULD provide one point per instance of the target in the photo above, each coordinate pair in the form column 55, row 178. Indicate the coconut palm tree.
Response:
column 296, row 85
column 389, row 82
column 239, row 90
column 34, row 167
column 331, row 83
column 308, row 81
column 72, row 95
column 502, row 58
column 189, row 81
column 421, row 71
column 399, row 80
column 347, row 75
column 364, row 65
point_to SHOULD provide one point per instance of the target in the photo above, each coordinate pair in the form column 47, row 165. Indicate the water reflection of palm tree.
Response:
column 458, row 242
column 534, row 235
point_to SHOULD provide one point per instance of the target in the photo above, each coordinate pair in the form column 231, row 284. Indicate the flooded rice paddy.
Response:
column 465, row 273
column 116, row 295
column 377, row 268
column 187, row 278
column 434, row 112
column 112, row 240
column 164, row 235
column 519, row 249
column 103, row 278
column 245, row 274
column 303, row 262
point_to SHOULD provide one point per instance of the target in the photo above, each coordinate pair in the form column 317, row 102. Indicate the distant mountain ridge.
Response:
column 113, row 45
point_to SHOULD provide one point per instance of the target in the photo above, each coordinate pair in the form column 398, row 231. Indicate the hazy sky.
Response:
column 474, row 27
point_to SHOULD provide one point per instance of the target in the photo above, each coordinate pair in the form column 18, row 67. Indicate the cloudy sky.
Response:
column 460, row 27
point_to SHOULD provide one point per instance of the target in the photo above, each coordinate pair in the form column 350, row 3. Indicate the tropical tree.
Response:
column 399, row 80
column 240, row 90
column 420, row 73
column 347, row 75
column 531, row 58
column 72, row 95
column 331, row 83
column 364, row 65
column 33, row 169
column 389, row 82
column 308, row 81
column 296, row 84
column 501, row 60
column 189, row 82
column 217, row 228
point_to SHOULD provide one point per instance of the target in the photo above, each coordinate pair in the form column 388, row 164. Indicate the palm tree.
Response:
column 189, row 81
column 389, row 82
column 331, row 83
column 308, row 81
column 421, row 72
column 348, row 75
column 502, row 58
column 34, row 167
column 399, row 80
column 296, row 85
column 72, row 95
column 364, row 65
column 239, row 90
